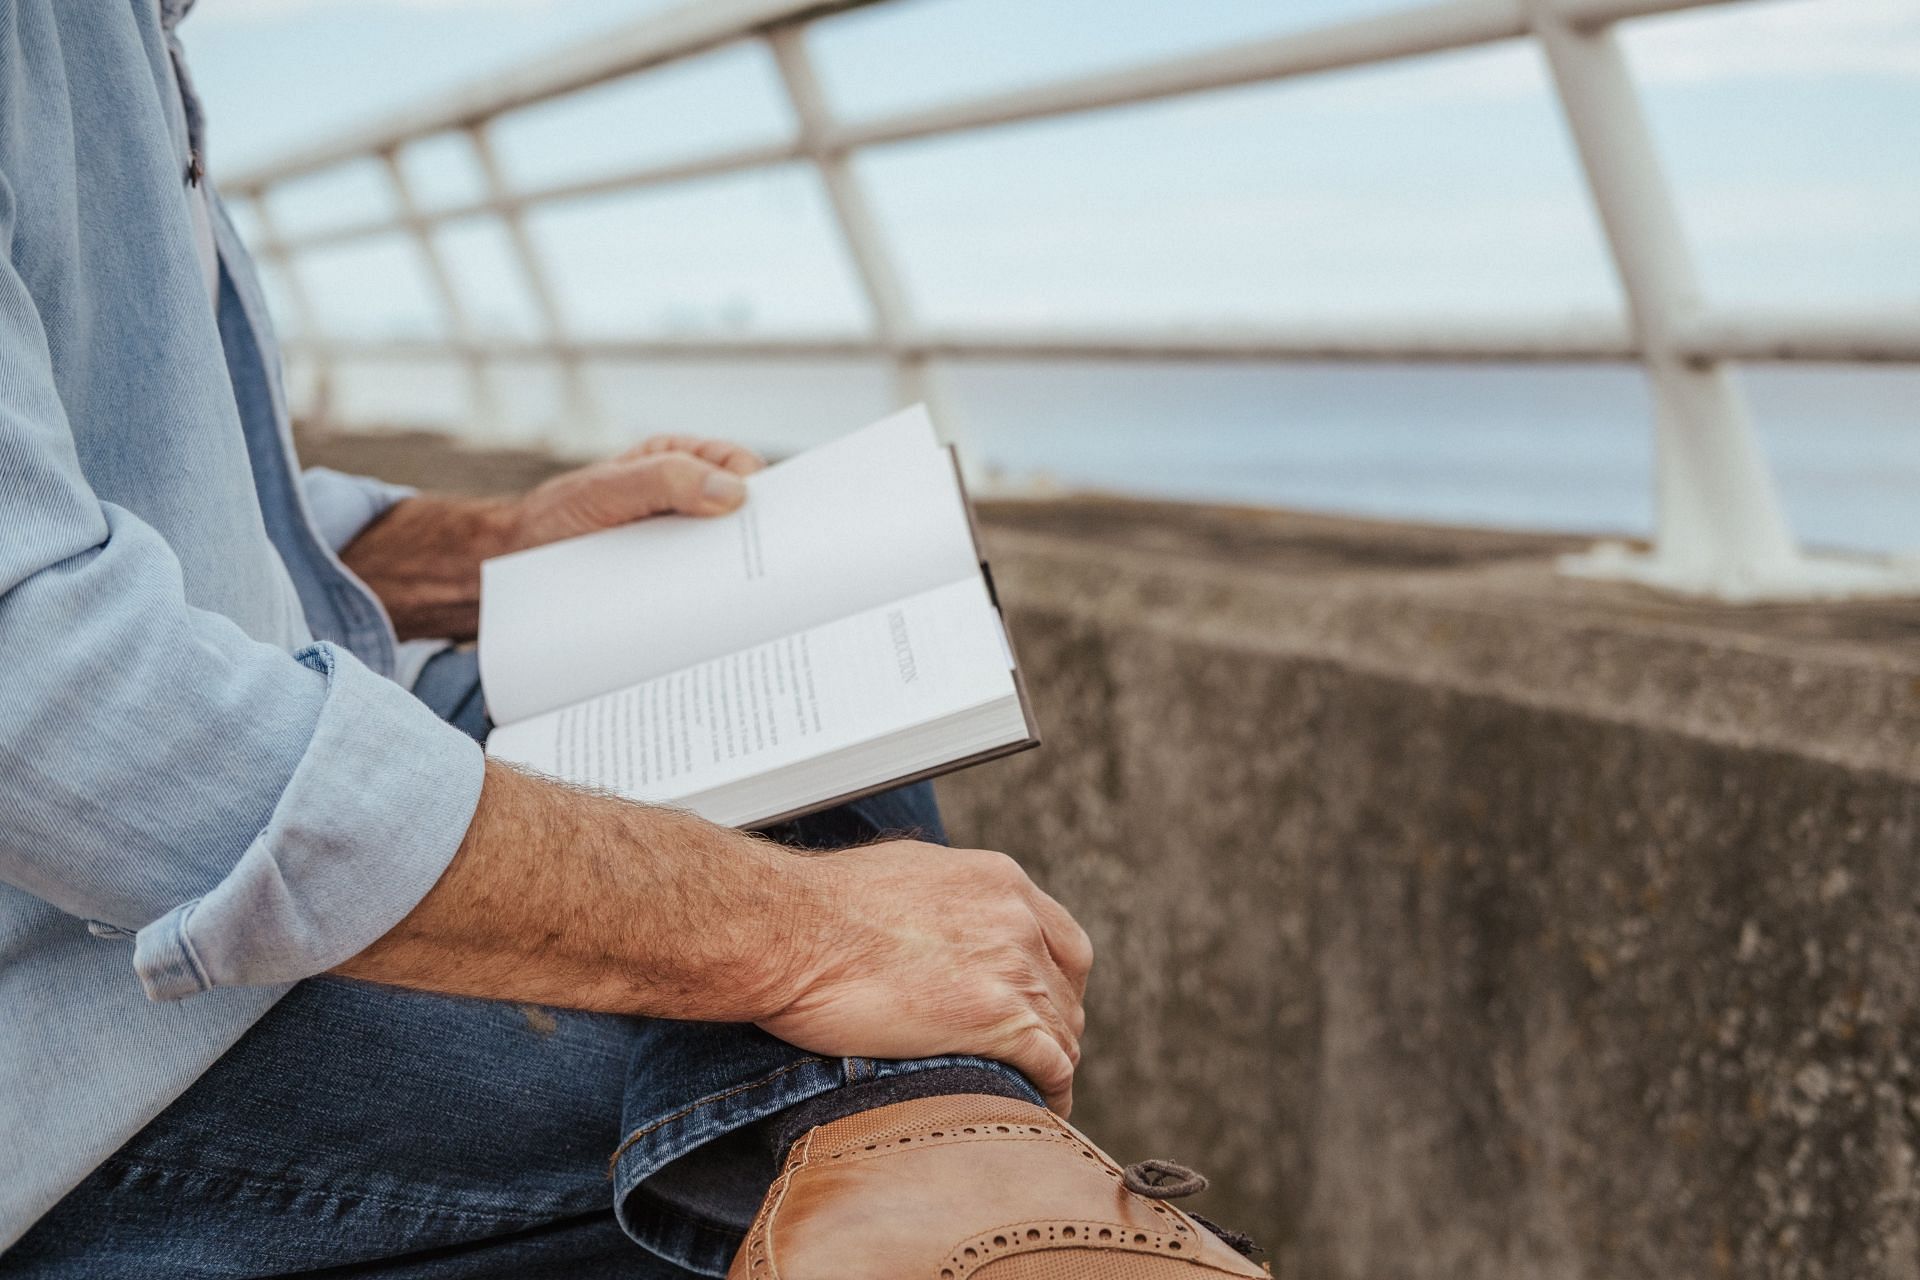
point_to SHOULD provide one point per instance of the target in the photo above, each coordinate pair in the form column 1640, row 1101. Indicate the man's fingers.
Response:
column 738, row 459
column 1046, row 1065
column 1067, row 942
column 1052, row 1020
column 692, row 486
column 670, row 482
column 1061, row 1010
column 663, row 444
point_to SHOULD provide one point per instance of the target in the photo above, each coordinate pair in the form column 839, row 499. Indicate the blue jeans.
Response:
column 368, row 1131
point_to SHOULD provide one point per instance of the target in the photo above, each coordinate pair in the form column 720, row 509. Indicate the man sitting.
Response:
column 293, row 980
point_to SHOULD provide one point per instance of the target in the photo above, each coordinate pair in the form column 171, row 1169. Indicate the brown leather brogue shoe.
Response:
column 968, row 1187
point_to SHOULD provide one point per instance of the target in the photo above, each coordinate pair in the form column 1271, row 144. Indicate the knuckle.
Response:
column 1006, row 870
column 651, row 469
column 1054, row 1028
column 995, row 869
column 1054, row 1072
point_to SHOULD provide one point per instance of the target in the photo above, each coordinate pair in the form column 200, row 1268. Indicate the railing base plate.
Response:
column 1805, row 577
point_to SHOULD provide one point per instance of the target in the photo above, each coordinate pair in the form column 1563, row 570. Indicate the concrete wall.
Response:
column 1465, row 921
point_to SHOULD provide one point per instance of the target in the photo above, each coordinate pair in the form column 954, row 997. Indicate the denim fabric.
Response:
column 372, row 1132
column 210, row 787
column 450, row 684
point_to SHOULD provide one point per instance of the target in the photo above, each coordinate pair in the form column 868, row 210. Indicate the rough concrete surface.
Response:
column 1466, row 921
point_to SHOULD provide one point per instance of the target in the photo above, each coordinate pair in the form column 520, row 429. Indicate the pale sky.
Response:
column 1439, row 186
column 1436, row 188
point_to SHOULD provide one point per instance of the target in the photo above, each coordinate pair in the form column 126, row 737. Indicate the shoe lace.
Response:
column 1170, row 1180
column 1163, row 1180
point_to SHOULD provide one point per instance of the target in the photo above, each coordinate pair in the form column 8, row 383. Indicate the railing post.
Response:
column 885, row 292
column 1721, row 530
column 580, row 400
column 453, row 310
column 273, row 248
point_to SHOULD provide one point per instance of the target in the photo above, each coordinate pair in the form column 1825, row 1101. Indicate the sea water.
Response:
column 1542, row 447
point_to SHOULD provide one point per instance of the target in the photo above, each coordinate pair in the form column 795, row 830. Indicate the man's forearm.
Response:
column 563, row 897
column 894, row 950
column 422, row 559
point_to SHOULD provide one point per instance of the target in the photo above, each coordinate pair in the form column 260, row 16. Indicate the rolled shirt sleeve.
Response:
column 254, row 816
column 371, row 814
column 342, row 505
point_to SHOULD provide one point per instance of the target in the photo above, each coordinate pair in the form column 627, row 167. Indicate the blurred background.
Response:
column 1434, row 192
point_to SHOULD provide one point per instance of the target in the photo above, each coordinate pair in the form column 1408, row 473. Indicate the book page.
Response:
column 774, row 704
column 869, row 518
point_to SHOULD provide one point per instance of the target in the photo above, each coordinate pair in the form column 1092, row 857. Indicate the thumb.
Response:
column 670, row 482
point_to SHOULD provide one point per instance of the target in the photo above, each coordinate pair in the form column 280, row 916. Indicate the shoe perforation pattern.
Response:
column 888, row 1144
column 974, row 1113
column 1084, row 1236
column 1091, row 1264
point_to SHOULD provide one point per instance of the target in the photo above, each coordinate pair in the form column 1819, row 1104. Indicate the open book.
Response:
column 834, row 636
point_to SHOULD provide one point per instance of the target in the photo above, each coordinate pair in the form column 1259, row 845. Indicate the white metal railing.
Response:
column 1720, row 526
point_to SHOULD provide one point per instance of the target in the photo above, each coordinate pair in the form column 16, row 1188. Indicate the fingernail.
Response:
column 723, row 486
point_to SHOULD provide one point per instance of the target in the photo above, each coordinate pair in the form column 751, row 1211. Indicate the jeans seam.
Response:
column 634, row 1137
column 253, row 1181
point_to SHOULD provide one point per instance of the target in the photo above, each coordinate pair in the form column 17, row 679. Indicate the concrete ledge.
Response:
column 1467, row 921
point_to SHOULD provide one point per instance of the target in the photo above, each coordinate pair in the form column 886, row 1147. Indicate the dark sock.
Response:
column 785, row 1128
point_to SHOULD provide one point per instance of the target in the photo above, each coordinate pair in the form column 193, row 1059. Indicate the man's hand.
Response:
column 681, row 475
column 422, row 558
column 570, row 898
column 921, row 950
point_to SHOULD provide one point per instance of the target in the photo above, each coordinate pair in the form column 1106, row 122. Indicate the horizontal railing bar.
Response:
column 1594, row 340
column 1388, row 37
column 1886, row 338
column 1845, row 339
column 1600, row 13
column 690, row 29
column 1044, row 349
column 763, row 156
column 1430, row 28
column 409, row 350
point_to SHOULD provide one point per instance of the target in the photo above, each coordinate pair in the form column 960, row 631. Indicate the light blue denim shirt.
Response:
column 210, row 787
